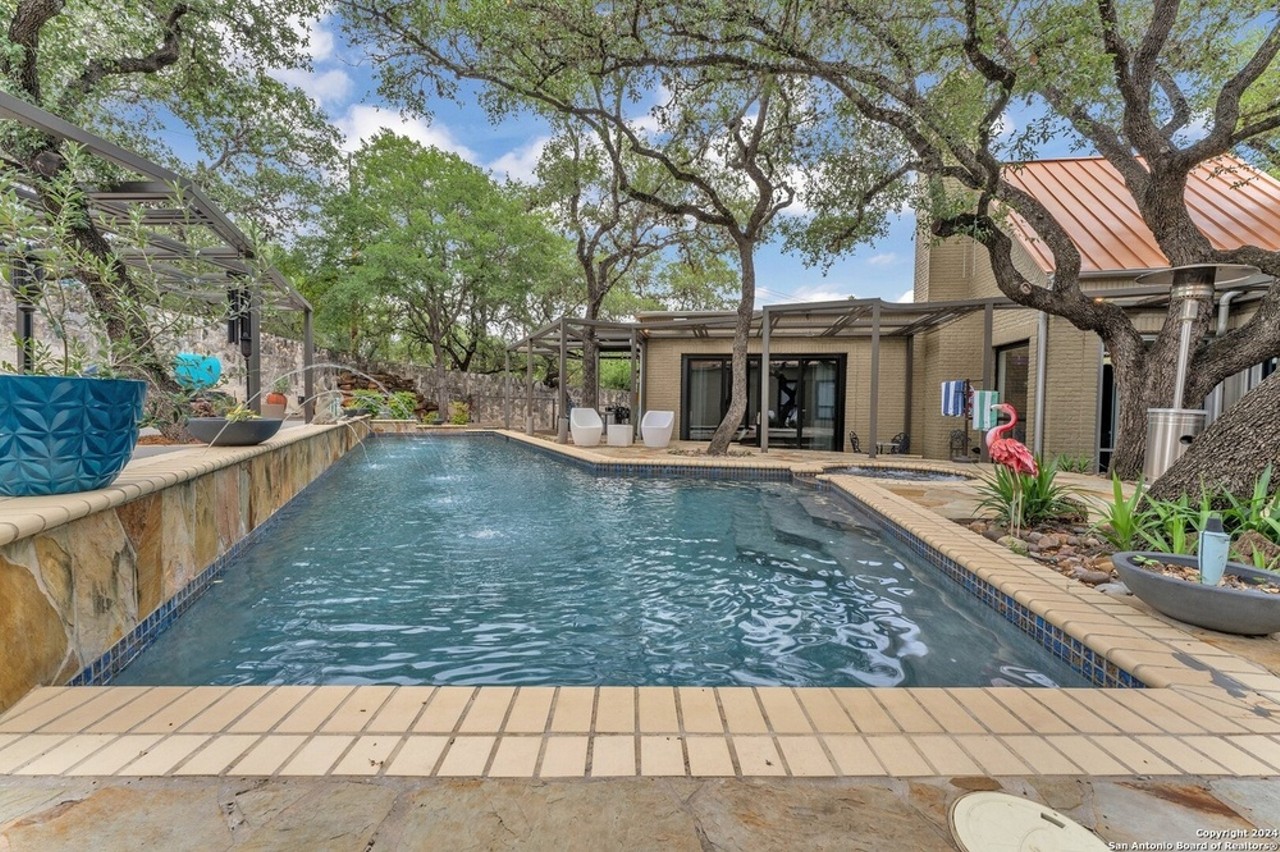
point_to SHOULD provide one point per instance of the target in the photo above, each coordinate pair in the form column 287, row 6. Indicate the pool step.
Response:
column 826, row 512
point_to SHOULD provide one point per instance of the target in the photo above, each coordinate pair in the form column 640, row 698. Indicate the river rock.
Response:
column 1116, row 589
column 1017, row 545
column 1093, row 578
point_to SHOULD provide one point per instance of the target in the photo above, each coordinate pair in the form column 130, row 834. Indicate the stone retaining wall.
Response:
column 80, row 572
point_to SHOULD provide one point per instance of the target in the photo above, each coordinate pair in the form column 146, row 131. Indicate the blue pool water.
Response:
column 477, row 561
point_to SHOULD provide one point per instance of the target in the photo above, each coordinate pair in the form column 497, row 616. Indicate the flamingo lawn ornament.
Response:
column 1014, row 455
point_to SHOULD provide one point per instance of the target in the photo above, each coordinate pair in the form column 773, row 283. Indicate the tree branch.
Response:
column 98, row 69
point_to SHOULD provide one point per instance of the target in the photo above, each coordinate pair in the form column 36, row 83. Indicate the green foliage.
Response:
column 615, row 374
column 1124, row 520
column 1260, row 512
column 1074, row 464
column 1172, row 526
column 365, row 402
column 1169, row 526
column 425, row 257
column 459, row 413
column 1034, row 498
column 402, row 405
column 239, row 412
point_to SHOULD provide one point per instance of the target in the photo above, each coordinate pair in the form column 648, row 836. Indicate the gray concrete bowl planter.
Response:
column 221, row 432
column 1241, row 611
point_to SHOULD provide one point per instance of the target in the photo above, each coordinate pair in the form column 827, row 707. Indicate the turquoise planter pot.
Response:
column 63, row 434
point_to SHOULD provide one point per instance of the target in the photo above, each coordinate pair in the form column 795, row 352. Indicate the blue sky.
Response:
column 342, row 82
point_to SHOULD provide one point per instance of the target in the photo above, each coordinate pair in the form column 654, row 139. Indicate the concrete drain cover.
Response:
column 998, row 822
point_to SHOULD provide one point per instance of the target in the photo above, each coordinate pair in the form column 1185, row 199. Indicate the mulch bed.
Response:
column 162, row 441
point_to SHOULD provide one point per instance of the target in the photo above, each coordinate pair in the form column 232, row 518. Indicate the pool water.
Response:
column 478, row 561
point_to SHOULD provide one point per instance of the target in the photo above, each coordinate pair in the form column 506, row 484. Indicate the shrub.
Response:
column 1041, row 497
column 403, row 405
column 1259, row 513
column 1124, row 520
column 1170, row 526
column 459, row 413
column 1074, row 464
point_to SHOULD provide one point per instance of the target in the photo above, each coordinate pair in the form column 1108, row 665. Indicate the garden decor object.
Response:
column 62, row 434
column 1212, row 553
column 196, row 372
column 221, row 432
column 1014, row 455
column 275, row 404
column 1229, row 610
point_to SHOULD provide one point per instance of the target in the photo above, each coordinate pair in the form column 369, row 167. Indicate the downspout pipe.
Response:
column 1042, row 369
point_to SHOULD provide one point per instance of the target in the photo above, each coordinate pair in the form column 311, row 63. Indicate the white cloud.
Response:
column 819, row 293
column 519, row 164
column 325, row 87
column 907, row 297
column 887, row 258
column 320, row 41
column 363, row 121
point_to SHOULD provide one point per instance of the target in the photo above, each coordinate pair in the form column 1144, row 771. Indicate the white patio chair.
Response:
column 656, row 428
column 586, row 426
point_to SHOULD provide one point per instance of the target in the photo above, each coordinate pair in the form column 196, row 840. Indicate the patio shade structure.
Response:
column 873, row 319
column 189, row 243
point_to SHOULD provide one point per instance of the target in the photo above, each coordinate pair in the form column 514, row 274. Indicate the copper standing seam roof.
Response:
column 1233, row 203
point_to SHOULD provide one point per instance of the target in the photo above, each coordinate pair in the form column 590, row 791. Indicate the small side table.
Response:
column 619, row 434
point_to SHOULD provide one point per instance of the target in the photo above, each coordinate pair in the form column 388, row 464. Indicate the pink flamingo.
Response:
column 1014, row 455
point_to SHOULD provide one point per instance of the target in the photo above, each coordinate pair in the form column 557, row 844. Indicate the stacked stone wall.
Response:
column 73, row 590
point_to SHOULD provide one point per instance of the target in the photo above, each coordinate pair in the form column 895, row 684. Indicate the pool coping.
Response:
column 23, row 517
column 1205, row 711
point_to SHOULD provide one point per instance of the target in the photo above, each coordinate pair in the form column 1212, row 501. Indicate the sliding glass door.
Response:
column 805, row 403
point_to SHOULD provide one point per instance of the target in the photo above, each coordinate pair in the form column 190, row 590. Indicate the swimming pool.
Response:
column 478, row 561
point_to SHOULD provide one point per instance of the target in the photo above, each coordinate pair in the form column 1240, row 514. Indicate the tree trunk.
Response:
column 590, row 369
column 741, row 333
column 1233, row 451
column 442, row 391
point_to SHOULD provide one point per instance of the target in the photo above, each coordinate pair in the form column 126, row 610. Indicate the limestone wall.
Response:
column 79, row 573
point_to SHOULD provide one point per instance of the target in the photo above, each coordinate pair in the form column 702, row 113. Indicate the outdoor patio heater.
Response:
column 1171, row 430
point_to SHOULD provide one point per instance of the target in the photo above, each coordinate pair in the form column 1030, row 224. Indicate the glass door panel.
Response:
column 819, row 407
column 706, row 381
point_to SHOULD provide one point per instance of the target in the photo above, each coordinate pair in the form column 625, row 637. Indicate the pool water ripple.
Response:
column 512, row 568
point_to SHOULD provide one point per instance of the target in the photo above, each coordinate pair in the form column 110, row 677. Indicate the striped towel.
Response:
column 953, row 398
column 983, row 417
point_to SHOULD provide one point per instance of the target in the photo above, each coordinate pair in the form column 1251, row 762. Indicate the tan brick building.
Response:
column 823, row 383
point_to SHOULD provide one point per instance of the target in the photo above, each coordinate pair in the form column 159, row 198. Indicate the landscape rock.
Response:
column 1093, row 578
column 1116, row 589
column 1017, row 545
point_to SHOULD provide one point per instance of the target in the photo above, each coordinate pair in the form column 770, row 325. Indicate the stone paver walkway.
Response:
column 632, row 814
column 656, row 767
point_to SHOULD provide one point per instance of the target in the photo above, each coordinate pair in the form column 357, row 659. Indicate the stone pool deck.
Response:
column 665, row 767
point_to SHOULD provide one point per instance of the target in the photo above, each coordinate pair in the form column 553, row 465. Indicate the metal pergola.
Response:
column 187, row 242
column 868, row 318
column 872, row 319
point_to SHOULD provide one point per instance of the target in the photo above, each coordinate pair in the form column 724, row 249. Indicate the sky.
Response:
column 342, row 81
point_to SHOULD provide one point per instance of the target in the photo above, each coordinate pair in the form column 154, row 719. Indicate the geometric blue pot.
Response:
column 62, row 434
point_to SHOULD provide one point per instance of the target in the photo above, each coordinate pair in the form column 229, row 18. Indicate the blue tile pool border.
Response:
column 1084, row 660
